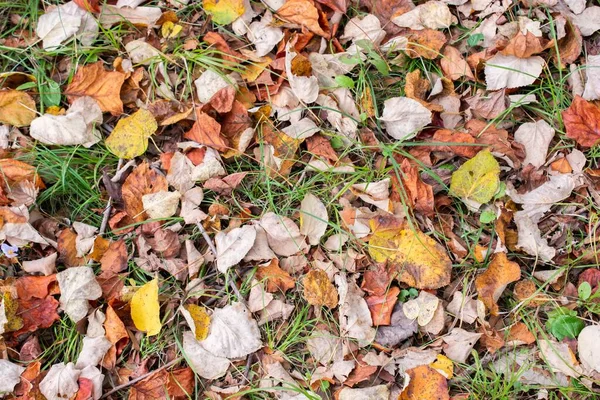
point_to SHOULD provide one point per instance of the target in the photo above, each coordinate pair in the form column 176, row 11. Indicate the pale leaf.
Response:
column 510, row 72
column 233, row 246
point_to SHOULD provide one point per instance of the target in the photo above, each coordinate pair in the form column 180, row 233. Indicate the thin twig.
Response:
column 108, row 209
column 141, row 377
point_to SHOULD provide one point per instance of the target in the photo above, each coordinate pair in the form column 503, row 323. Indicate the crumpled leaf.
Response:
column 588, row 347
column 536, row 202
column 15, row 227
column 161, row 204
column 510, row 72
column 302, row 12
column 365, row 27
column 130, row 137
column 477, row 180
column 61, row 382
column 530, row 238
column 582, row 122
column 399, row 329
column 430, row 15
column 354, row 315
column 313, row 218
column 491, row 283
column 11, row 376
column 77, row 286
column 92, row 352
column 404, row 117
column 140, row 182
column 76, row 127
column 101, row 85
column 559, row 357
column 233, row 246
column 145, row 308
column 425, row 383
column 223, row 12
column 536, row 137
column 305, row 88
column 454, row 65
column 592, row 84
column 210, row 83
column 17, row 108
column 65, row 21
column 264, row 35
column 382, row 306
column 203, row 362
column 207, row 131
column 276, row 279
column 318, row 289
column 45, row 265
column 420, row 260
column 459, row 343
column 463, row 307
column 422, row 308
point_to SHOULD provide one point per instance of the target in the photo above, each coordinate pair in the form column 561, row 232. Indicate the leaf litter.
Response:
column 300, row 199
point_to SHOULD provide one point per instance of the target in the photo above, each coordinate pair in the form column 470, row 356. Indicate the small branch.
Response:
column 108, row 209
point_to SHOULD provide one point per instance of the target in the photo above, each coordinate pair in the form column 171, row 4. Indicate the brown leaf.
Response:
column 104, row 86
column 15, row 171
column 497, row 140
column 115, row 257
column 569, row 47
column 454, row 138
column 410, row 189
column 117, row 335
column 582, row 122
column 68, row 250
column 426, row 43
column 302, row 12
column 37, row 314
column 236, row 121
column 318, row 289
column 39, row 287
column 491, row 283
column 207, row 131
column 16, row 108
column 320, row 146
column 86, row 388
column 376, row 281
column 524, row 46
column 141, row 181
column 489, row 105
column 385, row 9
column 222, row 101
column 180, row 384
column 519, row 334
column 454, row 65
column 151, row 388
column 276, row 278
column 381, row 307
column 336, row 5
column 425, row 384
column 360, row 373
column 491, row 339
column 219, row 43
column 169, row 112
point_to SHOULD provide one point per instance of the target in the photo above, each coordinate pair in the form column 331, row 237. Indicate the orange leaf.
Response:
column 454, row 137
column 381, row 307
column 117, row 335
column 276, row 278
column 16, row 108
column 524, row 46
column 207, row 131
column 318, row 289
column 37, row 314
column 582, row 122
column 425, row 384
column 141, row 181
column 29, row 287
column 302, row 12
column 426, row 43
column 411, row 189
column 89, row 5
column 454, row 65
column 492, row 282
column 361, row 372
column 115, row 257
column 180, row 384
column 15, row 171
column 68, row 250
column 104, row 86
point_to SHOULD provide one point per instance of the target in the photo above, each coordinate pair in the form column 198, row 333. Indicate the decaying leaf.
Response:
column 224, row 12
column 283, row 235
column 302, row 12
column 313, row 219
column 419, row 260
column 492, row 282
column 11, row 376
column 404, row 117
column 77, row 286
column 582, row 122
column 382, row 306
column 130, row 137
column 145, row 308
column 276, row 279
column 16, row 108
column 60, row 382
column 536, row 137
column 355, row 317
column 459, row 343
column 318, row 289
column 477, row 180
column 198, row 320
column 140, row 182
column 422, row 308
column 509, row 72
column 588, row 347
column 425, row 383
column 233, row 246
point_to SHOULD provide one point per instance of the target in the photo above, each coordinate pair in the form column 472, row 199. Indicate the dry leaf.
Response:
column 404, row 117
column 426, row 43
column 422, row 308
column 354, row 315
column 61, row 382
column 145, row 308
column 430, row 15
column 207, row 131
column 11, row 376
column 140, row 182
column 510, row 72
column 492, row 282
column 382, row 306
column 161, row 205
column 302, row 12
column 459, row 344
column 233, row 246
column 276, row 279
column 318, row 289
column 588, row 347
column 224, row 12
column 101, row 85
column 283, row 234
column 420, row 261
column 411, row 189
column 477, row 180
column 535, row 137
column 17, row 108
column 201, row 360
column 454, row 65
column 582, row 122
column 130, row 137
column 198, row 320
column 77, row 286
column 524, row 45
column 425, row 384
column 313, row 218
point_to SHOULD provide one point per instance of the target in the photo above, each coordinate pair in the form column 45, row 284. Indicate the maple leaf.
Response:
column 582, row 122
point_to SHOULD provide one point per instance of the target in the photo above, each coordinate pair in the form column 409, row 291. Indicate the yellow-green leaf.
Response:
column 201, row 320
column 477, row 179
column 129, row 139
column 145, row 309
column 224, row 12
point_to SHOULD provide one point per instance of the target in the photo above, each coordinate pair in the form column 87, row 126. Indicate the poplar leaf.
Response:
column 129, row 139
column 145, row 309
column 477, row 179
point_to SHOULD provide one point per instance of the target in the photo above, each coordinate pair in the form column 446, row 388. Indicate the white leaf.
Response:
column 77, row 286
column 180, row 173
column 404, row 117
column 260, row 250
column 258, row 298
column 422, row 308
column 161, row 204
column 376, row 193
column 233, row 246
column 190, row 206
column 111, row 15
column 431, row 15
column 276, row 309
column 530, row 238
column 313, row 219
column 577, row 6
column 588, row 347
column 536, row 137
column 411, row 358
column 141, row 52
column 459, row 344
column 211, row 166
column 96, row 324
column 379, row 392
column 592, row 83
column 201, row 360
column 58, row 25
column 45, row 266
column 85, row 237
column 93, row 351
column 503, row 71
column 61, row 382
column 233, row 332
column 209, row 84
column 20, row 233
column 76, row 127
column 588, row 21
column 301, row 129
column 463, row 307
column 559, row 357
column 263, row 35
column 325, row 347
column 540, row 199
column 354, row 315
column 306, row 88
column 3, row 317
column 283, row 234
column 364, row 28
column 94, row 375
column 11, row 376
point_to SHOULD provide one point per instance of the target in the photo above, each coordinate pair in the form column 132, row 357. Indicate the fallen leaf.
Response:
column 425, row 384
column 535, row 137
column 88, row 5
column 491, row 283
column 381, row 307
column 116, row 334
column 92, row 351
column 559, row 357
column 276, row 279
column 430, row 15
column 379, row 392
column 305, row 88
column 17, row 108
column 101, row 85
column 200, row 320
column 588, row 347
column 207, row 131
column 582, row 122
column 233, row 246
column 145, row 308
column 129, row 138
column 477, row 180
column 463, row 307
column 454, row 65
column 209, row 84
column 304, row 13
column 203, row 362
column 11, row 376
column 145, row 16
column 426, row 43
column 318, row 289
column 404, row 117
column 140, row 182
column 361, row 372
column 488, row 105
column 161, row 205
column 459, row 344
column 422, row 308
column 60, row 382
column 401, row 328
column 455, row 140
column 46, row 265
column 524, row 45
column 64, row 22
column 510, row 72
column 354, row 315
column 224, row 12
column 420, row 261
column 283, row 235
column 77, row 286
column 313, row 218
column 411, row 190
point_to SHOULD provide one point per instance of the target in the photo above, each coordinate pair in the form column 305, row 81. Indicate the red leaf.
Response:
column 582, row 122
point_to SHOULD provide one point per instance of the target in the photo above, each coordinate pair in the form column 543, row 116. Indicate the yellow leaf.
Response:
column 419, row 260
column 443, row 365
column 318, row 289
column 10, row 306
column 201, row 320
column 16, row 108
column 129, row 139
column 145, row 309
column 253, row 70
column 477, row 179
column 224, row 12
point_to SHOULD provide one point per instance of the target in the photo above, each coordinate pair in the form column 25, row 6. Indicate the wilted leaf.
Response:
column 492, row 282
column 404, row 117
column 277, row 280
column 582, row 122
column 161, row 205
column 207, row 131
column 536, row 137
column 425, row 384
column 60, row 382
column 426, row 43
column 381, row 306
column 512, row 72
column 454, row 65
column 410, row 189
column 102, row 85
column 233, row 246
column 430, row 15
column 130, row 137
column 16, row 108
column 140, row 182
column 313, row 218
column 318, row 289
column 145, row 308
column 379, row 392
column 420, row 261
column 11, row 376
column 524, row 45
column 92, row 351
column 354, row 315
column 459, row 344
column 477, row 180
column 224, row 12
column 283, row 234
column 116, row 334
column 302, row 12
column 77, row 286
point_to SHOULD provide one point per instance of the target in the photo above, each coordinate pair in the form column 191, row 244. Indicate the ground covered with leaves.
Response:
column 299, row 199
